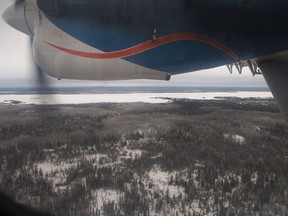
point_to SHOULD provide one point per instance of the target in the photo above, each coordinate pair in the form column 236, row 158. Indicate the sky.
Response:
column 15, row 69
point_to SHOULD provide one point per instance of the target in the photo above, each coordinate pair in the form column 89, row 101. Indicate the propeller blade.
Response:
column 15, row 17
column 42, row 80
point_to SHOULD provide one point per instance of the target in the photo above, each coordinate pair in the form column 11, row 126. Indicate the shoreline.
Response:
column 54, row 99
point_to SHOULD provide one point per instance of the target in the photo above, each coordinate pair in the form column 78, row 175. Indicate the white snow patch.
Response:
column 55, row 174
column 195, row 206
column 126, row 153
column 254, row 177
column 48, row 167
column 159, row 177
column 235, row 137
column 199, row 165
column 95, row 158
column 102, row 196
column 160, row 181
column 226, row 204
column 157, row 156
column 48, row 150
column 136, row 153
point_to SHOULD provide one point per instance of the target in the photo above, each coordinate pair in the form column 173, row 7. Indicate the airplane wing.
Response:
column 154, row 39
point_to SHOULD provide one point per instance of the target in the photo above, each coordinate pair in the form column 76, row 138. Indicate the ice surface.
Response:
column 121, row 98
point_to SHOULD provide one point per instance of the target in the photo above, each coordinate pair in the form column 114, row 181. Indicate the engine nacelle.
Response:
column 30, row 17
column 49, row 43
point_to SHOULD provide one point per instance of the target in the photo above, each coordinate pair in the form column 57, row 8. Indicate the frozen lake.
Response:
column 121, row 98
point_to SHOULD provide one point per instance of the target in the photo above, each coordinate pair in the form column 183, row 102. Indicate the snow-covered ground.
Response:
column 121, row 98
column 102, row 196
column 160, row 181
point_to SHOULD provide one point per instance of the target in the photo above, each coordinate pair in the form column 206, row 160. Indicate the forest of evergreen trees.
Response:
column 187, row 157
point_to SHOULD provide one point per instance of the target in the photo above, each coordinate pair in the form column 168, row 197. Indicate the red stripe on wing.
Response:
column 150, row 45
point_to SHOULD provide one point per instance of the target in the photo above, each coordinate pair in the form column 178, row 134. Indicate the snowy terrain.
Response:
column 226, row 156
